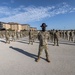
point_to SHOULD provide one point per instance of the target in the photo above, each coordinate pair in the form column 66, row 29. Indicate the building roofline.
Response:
column 25, row 24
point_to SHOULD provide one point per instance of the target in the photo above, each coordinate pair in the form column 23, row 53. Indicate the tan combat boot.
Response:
column 48, row 60
column 37, row 59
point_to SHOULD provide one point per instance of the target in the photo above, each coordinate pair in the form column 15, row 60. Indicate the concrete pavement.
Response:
column 18, row 58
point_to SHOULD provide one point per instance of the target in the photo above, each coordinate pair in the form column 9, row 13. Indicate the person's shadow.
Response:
column 2, row 41
column 25, row 53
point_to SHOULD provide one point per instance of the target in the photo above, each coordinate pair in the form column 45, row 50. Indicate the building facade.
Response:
column 14, row 26
column 25, row 27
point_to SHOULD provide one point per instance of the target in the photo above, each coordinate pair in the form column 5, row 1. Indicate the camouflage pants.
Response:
column 71, row 38
column 13, row 38
column 31, row 40
column 7, row 40
column 41, row 48
column 52, row 40
column 56, row 41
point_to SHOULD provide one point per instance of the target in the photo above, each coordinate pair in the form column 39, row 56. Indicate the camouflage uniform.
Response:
column 31, row 37
column 7, row 36
column 13, row 36
column 60, row 33
column 43, row 37
column 71, row 36
column 51, row 35
column 35, row 35
column 67, row 35
column 2, row 34
column 17, row 35
column 56, row 38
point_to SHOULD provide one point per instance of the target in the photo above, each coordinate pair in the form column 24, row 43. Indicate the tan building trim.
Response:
column 16, row 26
column 25, row 27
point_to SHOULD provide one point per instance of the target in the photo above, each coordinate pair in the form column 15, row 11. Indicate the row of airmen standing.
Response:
column 12, row 35
column 33, row 35
column 55, row 35
column 65, row 34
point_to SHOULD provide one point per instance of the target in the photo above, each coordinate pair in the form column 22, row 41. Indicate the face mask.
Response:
column 43, row 29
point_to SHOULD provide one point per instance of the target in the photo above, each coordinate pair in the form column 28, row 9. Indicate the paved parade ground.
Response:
column 18, row 58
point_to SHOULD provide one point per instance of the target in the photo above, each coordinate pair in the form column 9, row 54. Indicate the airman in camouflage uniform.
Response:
column 43, row 37
column 31, row 37
column 17, row 35
column 56, row 38
column 21, row 34
column 13, row 35
column 35, row 35
column 67, row 35
column 2, row 34
column 51, row 35
column 7, row 36
column 71, row 36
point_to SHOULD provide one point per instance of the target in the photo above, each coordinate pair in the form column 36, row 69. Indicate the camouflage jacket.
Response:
column 56, row 35
column 43, row 37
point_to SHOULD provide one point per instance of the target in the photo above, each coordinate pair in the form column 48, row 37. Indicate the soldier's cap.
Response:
column 43, row 25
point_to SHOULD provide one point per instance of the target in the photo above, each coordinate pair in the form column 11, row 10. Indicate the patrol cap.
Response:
column 43, row 25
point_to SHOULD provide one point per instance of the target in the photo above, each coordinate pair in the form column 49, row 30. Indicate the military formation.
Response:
column 43, row 36
column 12, row 36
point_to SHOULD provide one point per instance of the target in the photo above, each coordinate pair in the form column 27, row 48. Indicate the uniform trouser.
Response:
column 67, row 37
column 13, row 38
column 31, row 40
column 17, row 37
column 41, row 48
column 52, row 38
column 71, row 38
column 7, row 40
column 56, row 40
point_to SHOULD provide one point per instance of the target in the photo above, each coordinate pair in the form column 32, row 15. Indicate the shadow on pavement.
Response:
column 68, row 43
column 25, row 53
column 2, row 41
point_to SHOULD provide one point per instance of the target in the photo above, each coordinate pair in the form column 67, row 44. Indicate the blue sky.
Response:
column 57, row 14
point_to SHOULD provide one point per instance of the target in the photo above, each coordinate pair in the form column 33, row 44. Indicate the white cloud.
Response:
column 72, row 10
column 24, row 14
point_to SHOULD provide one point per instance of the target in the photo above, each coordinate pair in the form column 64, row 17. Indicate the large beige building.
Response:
column 16, row 26
column 25, row 27
column 4, row 25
